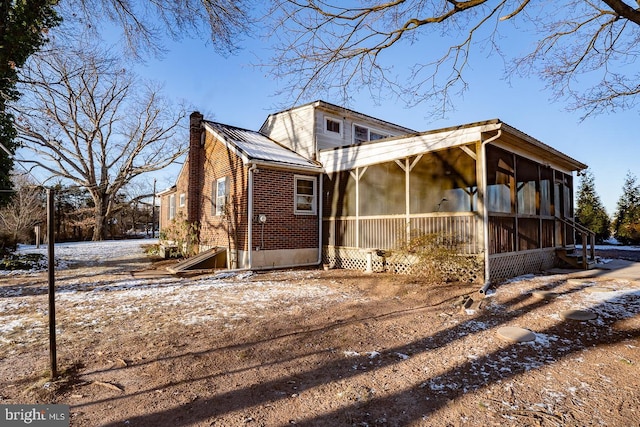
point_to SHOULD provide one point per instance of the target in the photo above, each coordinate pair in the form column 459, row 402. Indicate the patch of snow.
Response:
column 8, row 326
column 544, row 339
column 614, row 246
column 68, row 253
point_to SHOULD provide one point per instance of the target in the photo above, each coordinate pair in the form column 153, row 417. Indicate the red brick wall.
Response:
column 194, row 168
column 163, row 215
column 215, row 230
column 273, row 197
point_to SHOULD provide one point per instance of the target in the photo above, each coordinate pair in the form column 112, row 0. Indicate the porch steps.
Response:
column 207, row 260
column 570, row 257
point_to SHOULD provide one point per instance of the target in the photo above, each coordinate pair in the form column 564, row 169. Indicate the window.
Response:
column 220, row 196
column 172, row 206
column 363, row 134
column 360, row 134
column 183, row 199
column 332, row 126
column 305, row 195
column 373, row 135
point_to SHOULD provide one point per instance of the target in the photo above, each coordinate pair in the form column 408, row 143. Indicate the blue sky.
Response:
column 232, row 91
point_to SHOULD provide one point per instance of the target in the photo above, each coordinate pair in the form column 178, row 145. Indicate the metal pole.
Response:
column 51, row 271
column 153, row 212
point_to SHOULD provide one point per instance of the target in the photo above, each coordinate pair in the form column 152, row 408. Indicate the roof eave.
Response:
column 544, row 150
column 285, row 166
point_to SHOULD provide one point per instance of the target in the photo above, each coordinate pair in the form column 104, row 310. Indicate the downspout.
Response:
column 320, row 192
column 320, row 206
column 252, row 168
column 485, row 213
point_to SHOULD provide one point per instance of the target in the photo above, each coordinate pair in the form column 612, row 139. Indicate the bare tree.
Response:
column 336, row 46
column 25, row 210
column 87, row 120
column 144, row 24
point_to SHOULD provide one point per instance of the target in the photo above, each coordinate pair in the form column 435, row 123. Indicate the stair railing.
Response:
column 588, row 240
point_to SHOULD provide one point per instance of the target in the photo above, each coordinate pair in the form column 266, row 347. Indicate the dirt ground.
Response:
column 137, row 347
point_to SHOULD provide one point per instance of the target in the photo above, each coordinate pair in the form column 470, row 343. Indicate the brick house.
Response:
column 322, row 183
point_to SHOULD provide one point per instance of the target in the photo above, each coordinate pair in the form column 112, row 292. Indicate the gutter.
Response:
column 285, row 166
column 485, row 213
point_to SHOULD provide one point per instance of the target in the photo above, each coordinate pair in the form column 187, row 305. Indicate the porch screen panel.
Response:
column 381, row 233
column 500, row 180
column 339, row 195
column 546, row 196
column 501, row 234
column 444, row 181
column 528, row 233
column 548, row 227
column 382, row 190
column 568, row 205
column 563, row 197
column 527, row 186
column 464, row 228
column 345, row 233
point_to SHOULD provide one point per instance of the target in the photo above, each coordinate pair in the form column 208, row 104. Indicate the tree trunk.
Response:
column 101, row 219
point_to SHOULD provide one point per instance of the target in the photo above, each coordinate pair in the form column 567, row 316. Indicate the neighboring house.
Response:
column 324, row 184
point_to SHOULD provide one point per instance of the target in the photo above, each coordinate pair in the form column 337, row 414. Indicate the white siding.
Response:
column 293, row 129
column 302, row 129
column 348, row 118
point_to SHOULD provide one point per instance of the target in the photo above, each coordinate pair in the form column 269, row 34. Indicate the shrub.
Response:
column 8, row 244
column 23, row 262
column 181, row 235
column 438, row 257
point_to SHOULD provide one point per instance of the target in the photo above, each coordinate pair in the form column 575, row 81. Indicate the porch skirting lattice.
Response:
column 503, row 266
column 356, row 259
column 395, row 262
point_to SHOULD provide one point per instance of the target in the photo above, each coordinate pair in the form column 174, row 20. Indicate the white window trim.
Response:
column 331, row 133
column 314, row 202
column 369, row 130
column 219, row 207
column 183, row 199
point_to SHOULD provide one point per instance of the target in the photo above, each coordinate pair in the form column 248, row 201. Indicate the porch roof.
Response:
column 254, row 147
column 400, row 147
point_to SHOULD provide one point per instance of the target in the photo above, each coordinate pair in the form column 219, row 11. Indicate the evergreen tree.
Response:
column 23, row 28
column 627, row 218
column 590, row 211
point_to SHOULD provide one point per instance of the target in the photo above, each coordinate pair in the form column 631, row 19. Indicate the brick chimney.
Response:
column 196, row 164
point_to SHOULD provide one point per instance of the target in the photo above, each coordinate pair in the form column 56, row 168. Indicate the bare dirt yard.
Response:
column 138, row 347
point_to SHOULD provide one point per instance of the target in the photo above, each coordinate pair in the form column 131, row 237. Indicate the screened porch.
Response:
column 381, row 206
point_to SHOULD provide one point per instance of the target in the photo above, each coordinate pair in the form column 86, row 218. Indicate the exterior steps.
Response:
column 570, row 257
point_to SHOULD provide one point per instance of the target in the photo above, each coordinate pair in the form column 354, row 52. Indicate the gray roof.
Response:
column 254, row 146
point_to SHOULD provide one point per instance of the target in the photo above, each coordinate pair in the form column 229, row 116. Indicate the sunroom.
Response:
column 505, row 196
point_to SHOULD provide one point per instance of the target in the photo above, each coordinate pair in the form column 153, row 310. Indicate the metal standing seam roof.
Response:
column 252, row 145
